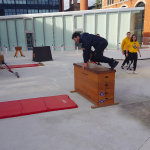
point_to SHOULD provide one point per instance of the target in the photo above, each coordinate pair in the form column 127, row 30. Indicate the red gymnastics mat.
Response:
column 35, row 105
column 22, row 66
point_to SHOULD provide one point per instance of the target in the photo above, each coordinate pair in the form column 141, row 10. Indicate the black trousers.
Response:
column 126, row 59
column 98, row 54
column 133, row 59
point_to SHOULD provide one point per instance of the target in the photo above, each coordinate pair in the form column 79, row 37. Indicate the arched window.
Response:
column 140, row 4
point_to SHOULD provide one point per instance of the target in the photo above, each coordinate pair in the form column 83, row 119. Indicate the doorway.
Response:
column 29, row 39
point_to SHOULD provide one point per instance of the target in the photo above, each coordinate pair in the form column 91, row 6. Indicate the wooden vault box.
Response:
column 96, row 83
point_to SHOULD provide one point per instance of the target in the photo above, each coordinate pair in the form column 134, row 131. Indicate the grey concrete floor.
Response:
column 122, row 127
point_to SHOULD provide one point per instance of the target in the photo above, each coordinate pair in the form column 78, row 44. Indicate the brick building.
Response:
column 73, row 5
column 134, row 3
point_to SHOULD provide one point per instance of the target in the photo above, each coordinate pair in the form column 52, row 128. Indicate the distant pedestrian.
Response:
column 133, row 48
column 124, row 47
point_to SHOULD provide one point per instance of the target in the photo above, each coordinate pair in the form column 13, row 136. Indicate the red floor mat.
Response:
column 22, row 66
column 35, row 105
column 59, row 103
column 10, row 109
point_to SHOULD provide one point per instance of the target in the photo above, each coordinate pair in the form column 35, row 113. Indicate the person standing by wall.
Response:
column 124, row 47
column 133, row 48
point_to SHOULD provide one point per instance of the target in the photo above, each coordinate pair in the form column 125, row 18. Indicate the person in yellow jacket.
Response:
column 133, row 48
column 124, row 47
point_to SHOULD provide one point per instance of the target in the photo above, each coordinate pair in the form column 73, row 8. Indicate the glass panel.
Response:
column 89, row 23
column 29, row 11
column 78, row 22
column 58, row 32
column 36, row 10
column 136, row 26
column 68, row 30
column 20, row 33
column 39, row 31
column 24, row 1
column 112, row 23
column 32, row 2
column 124, row 25
column 3, row 34
column 50, row 2
column 48, row 29
column 29, row 25
column 11, row 34
column 101, row 25
column 8, row 2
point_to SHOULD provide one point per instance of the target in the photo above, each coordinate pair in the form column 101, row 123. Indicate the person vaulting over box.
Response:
column 99, row 44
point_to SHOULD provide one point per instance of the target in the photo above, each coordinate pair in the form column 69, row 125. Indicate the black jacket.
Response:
column 89, row 40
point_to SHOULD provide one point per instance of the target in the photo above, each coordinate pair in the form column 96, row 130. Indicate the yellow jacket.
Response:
column 125, row 43
column 133, row 47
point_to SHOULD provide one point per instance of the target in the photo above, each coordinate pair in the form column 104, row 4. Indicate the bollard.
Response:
column 77, row 50
column 13, row 47
column 52, row 48
column 62, row 49
column 6, row 49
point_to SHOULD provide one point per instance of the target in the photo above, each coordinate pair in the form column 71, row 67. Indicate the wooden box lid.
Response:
column 95, row 68
column 18, row 48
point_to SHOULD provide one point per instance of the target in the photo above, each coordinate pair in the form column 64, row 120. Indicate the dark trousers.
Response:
column 133, row 59
column 126, row 59
column 98, row 54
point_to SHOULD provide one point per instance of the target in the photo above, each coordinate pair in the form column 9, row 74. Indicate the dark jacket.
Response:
column 91, row 52
column 89, row 40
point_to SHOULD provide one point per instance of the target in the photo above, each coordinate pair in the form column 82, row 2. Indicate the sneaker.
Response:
column 127, row 71
column 134, row 72
column 114, row 64
column 98, row 63
column 122, row 67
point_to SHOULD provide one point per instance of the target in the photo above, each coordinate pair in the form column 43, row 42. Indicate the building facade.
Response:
column 73, row 5
column 15, row 7
column 55, row 29
column 145, row 21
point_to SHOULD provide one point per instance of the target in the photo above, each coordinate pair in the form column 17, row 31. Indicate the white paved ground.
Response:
column 122, row 127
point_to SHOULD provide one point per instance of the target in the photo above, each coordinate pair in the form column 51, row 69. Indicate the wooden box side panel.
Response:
column 86, row 74
column 85, row 86
column 109, row 77
column 84, row 94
